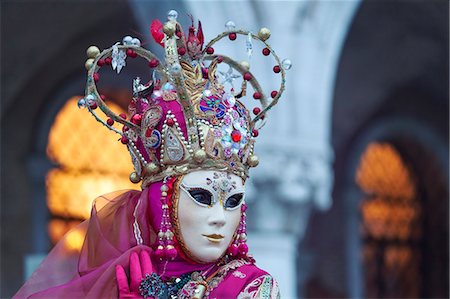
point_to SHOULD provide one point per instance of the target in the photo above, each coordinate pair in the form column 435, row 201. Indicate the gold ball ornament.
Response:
column 245, row 65
column 92, row 51
column 169, row 28
column 134, row 178
column 89, row 63
column 151, row 168
column 253, row 161
column 199, row 156
column 264, row 33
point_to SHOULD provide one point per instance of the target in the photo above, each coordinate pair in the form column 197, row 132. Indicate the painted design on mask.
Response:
column 221, row 187
column 221, row 183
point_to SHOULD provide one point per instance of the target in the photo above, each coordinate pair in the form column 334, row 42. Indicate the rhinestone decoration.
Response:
column 230, row 25
column 286, row 64
column 118, row 59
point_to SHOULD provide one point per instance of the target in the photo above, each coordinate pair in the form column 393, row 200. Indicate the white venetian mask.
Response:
column 209, row 213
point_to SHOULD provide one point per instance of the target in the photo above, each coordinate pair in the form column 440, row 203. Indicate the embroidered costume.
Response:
column 191, row 140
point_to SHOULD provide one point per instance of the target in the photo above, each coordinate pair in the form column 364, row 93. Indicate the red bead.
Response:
column 153, row 63
column 247, row 76
column 103, row 97
column 96, row 77
column 256, row 110
column 125, row 128
column 110, row 122
column 93, row 105
column 266, row 51
column 219, row 59
column 232, row 36
column 123, row 115
column 276, row 69
column 255, row 133
column 181, row 51
column 124, row 140
column 170, row 122
column 108, row 60
column 243, row 208
column 148, row 132
column 131, row 53
column 178, row 33
column 210, row 50
column 263, row 116
column 236, row 136
column 205, row 73
column 136, row 119
column 256, row 95
column 101, row 62
column 273, row 94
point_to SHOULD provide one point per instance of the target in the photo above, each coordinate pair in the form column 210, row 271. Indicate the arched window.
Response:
column 90, row 161
column 391, row 224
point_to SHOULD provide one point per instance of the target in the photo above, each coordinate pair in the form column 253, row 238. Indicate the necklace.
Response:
column 153, row 286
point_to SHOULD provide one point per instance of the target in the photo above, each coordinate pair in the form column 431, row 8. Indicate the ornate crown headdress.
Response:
column 184, row 119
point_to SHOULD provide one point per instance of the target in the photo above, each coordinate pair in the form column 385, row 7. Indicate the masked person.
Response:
column 191, row 142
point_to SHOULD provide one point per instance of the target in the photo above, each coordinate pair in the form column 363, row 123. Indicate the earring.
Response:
column 165, row 248
column 239, row 246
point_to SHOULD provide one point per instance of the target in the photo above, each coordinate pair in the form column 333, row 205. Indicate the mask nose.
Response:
column 217, row 215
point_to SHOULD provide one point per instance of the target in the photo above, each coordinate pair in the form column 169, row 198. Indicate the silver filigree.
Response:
column 174, row 148
column 135, row 161
column 228, row 76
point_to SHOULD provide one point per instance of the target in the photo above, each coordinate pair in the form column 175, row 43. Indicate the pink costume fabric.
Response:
column 122, row 223
column 126, row 222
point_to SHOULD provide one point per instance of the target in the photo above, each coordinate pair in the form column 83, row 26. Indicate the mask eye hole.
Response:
column 201, row 196
column 233, row 201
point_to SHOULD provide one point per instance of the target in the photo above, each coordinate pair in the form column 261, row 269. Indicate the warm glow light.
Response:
column 77, row 141
column 382, row 171
column 391, row 212
column 71, row 193
column 57, row 228
column 91, row 162
column 75, row 239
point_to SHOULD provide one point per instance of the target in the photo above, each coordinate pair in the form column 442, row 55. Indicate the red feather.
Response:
column 200, row 36
column 156, row 30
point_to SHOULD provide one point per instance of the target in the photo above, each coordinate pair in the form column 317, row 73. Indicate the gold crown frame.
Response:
column 183, row 70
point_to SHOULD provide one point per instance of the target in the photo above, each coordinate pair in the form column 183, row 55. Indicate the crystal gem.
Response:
column 249, row 45
column 156, row 94
column 207, row 92
column 118, row 59
column 236, row 136
column 286, row 64
column 81, row 103
column 224, row 184
column 172, row 15
column 237, row 124
column 230, row 26
column 127, row 40
column 167, row 86
column 175, row 68
column 227, row 152
column 231, row 100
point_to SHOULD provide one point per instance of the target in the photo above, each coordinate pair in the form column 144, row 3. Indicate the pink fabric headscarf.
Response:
column 120, row 223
